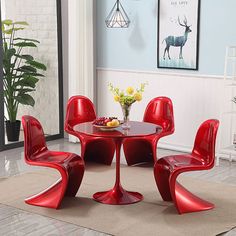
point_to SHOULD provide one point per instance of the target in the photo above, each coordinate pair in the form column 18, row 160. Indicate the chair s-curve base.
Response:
column 48, row 198
column 67, row 185
column 188, row 202
column 172, row 190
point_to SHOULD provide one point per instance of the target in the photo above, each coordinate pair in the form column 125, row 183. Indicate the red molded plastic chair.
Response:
column 70, row 166
column 80, row 109
column 167, row 169
column 159, row 111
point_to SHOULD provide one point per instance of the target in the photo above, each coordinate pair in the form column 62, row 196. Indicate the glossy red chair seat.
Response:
column 54, row 157
column 167, row 169
column 143, row 149
column 80, row 109
column 70, row 165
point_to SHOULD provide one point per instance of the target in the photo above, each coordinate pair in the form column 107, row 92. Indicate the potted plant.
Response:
column 20, row 74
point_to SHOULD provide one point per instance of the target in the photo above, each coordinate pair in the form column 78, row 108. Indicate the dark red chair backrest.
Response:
column 79, row 109
column 204, row 145
column 34, row 140
column 160, row 111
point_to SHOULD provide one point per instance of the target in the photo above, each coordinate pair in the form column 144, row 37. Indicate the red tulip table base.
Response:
column 117, row 195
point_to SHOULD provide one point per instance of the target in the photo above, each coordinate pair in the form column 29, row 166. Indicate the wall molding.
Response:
column 154, row 72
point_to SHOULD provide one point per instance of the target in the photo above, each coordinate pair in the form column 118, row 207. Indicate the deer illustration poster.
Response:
column 178, row 27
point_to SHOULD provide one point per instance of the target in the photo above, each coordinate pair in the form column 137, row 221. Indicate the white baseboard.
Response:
column 174, row 147
column 73, row 139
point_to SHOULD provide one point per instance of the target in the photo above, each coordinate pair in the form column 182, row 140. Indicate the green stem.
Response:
column 11, row 38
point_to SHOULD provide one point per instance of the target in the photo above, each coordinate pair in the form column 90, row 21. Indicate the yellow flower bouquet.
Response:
column 126, row 99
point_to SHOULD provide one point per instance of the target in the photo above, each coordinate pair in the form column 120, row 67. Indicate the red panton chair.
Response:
column 167, row 169
column 159, row 111
column 70, row 166
column 80, row 109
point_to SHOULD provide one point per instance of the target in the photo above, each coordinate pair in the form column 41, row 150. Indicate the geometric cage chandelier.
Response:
column 117, row 18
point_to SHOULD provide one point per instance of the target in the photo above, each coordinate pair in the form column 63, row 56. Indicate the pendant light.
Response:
column 117, row 18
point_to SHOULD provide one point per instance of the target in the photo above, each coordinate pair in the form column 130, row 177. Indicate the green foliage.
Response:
column 20, row 71
column 128, row 98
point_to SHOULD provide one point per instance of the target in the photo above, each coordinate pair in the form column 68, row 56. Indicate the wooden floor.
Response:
column 17, row 222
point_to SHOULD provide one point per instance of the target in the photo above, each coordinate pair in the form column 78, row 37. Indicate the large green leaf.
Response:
column 20, row 23
column 37, row 65
column 35, row 74
column 13, row 76
column 32, row 79
column 7, row 22
column 26, row 69
column 26, row 74
column 24, row 90
column 29, row 81
column 25, row 99
column 25, row 44
column 9, row 53
column 10, row 30
column 25, row 57
column 26, row 39
column 7, row 31
column 18, row 28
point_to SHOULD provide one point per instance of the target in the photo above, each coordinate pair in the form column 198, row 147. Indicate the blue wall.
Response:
column 135, row 47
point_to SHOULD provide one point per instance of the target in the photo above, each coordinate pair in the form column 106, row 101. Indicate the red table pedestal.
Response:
column 118, row 196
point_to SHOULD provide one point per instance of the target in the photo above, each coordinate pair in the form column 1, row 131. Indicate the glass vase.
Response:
column 126, row 112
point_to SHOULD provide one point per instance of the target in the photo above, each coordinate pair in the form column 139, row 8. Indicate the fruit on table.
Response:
column 115, row 122
column 107, row 121
column 109, row 124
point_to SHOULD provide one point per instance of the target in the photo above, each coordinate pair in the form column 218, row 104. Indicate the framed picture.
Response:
column 178, row 34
